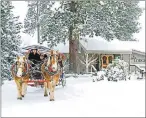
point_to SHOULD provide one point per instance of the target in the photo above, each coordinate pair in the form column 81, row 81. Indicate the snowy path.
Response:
column 81, row 97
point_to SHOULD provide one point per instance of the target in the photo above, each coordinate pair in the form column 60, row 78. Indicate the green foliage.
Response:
column 113, row 19
column 108, row 19
column 10, row 29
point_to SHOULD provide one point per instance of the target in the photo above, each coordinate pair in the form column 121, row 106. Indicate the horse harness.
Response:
column 50, row 71
column 25, row 72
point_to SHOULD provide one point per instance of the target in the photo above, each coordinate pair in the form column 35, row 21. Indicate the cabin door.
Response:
column 106, row 59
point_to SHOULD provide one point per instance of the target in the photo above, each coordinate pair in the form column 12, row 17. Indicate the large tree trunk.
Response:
column 70, row 48
column 73, row 55
column 72, row 43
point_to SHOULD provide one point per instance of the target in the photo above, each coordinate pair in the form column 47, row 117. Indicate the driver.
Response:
column 34, row 56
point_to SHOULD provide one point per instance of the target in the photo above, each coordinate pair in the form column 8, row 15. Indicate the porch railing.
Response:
column 135, row 69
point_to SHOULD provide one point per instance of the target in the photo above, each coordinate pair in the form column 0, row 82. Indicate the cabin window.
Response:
column 104, row 60
column 117, row 56
column 110, row 59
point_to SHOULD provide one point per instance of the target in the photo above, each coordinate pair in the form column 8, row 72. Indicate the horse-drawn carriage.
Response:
column 47, row 72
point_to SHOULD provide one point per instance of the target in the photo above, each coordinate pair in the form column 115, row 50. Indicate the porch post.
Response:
column 99, row 58
column 121, row 57
column 129, row 62
column 87, row 67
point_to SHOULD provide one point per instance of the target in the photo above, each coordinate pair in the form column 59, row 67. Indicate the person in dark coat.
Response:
column 43, row 57
column 34, row 56
column 60, row 59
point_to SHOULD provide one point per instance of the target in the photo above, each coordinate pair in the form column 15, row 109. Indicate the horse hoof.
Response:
column 45, row 95
column 22, row 96
column 51, row 99
column 19, row 98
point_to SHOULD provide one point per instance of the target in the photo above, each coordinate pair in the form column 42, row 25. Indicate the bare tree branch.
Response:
column 91, row 57
column 92, row 61
column 86, row 61
column 82, row 61
column 85, row 56
column 81, row 57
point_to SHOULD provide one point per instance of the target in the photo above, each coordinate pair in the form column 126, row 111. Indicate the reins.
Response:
column 46, row 69
column 24, row 74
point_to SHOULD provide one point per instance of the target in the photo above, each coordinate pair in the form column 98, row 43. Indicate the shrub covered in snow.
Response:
column 98, row 76
column 118, row 70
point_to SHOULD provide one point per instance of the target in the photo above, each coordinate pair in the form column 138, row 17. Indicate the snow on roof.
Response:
column 29, row 41
column 140, row 52
column 99, row 44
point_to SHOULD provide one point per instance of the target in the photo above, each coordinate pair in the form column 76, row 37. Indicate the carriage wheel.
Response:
column 42, row 86
column 63, row 80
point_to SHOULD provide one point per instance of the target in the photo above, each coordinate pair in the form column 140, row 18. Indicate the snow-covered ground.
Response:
column 81, row 97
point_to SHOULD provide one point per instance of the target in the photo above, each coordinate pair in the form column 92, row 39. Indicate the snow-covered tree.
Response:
column 118, row 70
column 40, row 15
column 113, row 19
column 87, row 60
column 108, row 19
column 10, row 29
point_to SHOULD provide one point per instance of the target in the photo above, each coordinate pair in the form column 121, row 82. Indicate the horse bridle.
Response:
column 50, row 56
column 25, row 66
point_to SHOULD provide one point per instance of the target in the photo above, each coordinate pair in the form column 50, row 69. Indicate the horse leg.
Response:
column 56, row 83
column 53, row 85
column 45, row 89
column 51, row 91
column 24, row 87
column 19, row 89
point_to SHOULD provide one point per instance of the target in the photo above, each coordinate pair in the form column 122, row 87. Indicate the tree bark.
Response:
column 72, row 43
column 70, row 48
column 73, row 55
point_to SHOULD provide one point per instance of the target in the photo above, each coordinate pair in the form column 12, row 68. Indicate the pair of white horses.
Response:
column 51, row 78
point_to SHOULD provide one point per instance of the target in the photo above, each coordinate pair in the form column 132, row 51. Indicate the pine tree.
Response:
column 113, row 19
column 10, row 29
column 108, row 19
column 40, row 19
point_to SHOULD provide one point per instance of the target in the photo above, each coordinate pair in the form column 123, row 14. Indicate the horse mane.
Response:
column 15, row 63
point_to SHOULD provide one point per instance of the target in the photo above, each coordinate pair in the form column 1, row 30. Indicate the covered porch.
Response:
column 105, row 51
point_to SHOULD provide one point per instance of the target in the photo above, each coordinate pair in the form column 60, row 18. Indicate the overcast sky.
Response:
column 21, row 10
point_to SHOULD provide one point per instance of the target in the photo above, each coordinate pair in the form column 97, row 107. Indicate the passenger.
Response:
column 42, row 57
column 61, row 58
column 34, row 56
column 45, row 56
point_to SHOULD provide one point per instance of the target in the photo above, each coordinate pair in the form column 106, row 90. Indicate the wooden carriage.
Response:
column 36, row 78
